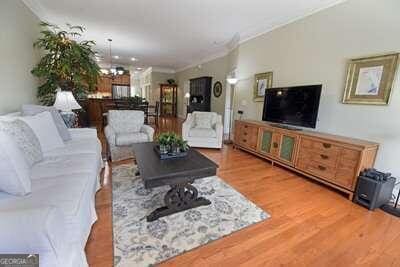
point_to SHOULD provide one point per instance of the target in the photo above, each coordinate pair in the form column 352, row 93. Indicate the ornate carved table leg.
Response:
column 179, row 198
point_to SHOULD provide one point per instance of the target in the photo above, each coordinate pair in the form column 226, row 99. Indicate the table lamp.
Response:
column 66, row 102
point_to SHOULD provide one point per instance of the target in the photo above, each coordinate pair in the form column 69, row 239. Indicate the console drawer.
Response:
column 320, row 146
column 247, row 136
column 317, row 168
column 318, row 156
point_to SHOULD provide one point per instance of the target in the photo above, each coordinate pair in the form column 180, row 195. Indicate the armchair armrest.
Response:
column 188, row 123
column 148, row 130
column 110, row 134
column 33, row 230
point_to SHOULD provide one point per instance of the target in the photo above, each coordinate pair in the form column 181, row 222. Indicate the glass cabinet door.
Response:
column 266, row 141
column 287, row 147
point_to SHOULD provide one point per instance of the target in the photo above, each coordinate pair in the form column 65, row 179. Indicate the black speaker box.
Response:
column 371, row 193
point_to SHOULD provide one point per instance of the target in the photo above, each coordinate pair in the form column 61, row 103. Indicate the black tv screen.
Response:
column 297, row 105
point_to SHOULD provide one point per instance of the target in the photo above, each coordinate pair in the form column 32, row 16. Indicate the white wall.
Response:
column 19, row 29
column 217, row 69
column 315, row 50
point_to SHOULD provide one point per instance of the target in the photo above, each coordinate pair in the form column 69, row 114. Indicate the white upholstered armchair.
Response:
column 126, row 127
column 203, row 129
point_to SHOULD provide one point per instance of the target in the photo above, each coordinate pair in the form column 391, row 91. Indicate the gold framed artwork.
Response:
column 262, row 82
column 370, row 79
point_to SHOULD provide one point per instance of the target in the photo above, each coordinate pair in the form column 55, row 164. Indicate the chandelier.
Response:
column 113, row 72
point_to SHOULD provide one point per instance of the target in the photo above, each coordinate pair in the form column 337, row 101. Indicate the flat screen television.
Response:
column 297, row 105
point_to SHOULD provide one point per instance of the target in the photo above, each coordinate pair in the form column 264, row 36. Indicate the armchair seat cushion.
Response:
column 125, row 139
column 202, row 132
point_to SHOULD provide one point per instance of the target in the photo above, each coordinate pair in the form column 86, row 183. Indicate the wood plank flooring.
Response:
column 311, row 225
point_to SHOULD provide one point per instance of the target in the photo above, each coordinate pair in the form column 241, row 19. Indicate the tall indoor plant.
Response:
column 67, row 63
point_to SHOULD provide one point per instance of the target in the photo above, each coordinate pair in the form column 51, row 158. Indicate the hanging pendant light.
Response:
column 112, row 72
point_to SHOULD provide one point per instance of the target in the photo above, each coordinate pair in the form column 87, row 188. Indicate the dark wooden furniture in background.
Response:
column 330, row 159
column 168, row 99
column 96, row 108
column 106, row 82
column 200, row 94
column 178, row 173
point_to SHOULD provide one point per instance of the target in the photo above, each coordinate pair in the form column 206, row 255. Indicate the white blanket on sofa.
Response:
column 56, row 218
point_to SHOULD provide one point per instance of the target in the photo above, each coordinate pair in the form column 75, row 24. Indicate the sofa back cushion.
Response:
column 14, row 169
column 25, row 139
column 126, row 121
column 204, row 120
column 30, row 110
column 46, row 131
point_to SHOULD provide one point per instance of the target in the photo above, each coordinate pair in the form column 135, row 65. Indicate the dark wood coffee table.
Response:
column 178, row 173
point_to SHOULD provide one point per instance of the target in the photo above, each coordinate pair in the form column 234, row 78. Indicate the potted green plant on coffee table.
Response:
column 171, row 145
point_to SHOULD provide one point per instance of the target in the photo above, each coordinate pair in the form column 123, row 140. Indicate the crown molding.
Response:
column 255, row 31
column 163, row 70
column 209, row 58
column 37, row 9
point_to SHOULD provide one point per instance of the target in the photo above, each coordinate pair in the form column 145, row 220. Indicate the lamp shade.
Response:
column 65, row 101
column 187, row 95
column 231, row 80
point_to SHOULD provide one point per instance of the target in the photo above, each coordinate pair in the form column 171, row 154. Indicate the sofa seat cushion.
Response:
column 76, row 147
column 124, row 139
column 202, row 132
column 71, row 194
column 66, row 165
column 83, row 133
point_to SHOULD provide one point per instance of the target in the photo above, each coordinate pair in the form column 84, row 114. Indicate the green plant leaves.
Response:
column 170, row 139
column 66, row 63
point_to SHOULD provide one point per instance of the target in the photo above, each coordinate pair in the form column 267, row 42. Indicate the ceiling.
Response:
column 173, row 34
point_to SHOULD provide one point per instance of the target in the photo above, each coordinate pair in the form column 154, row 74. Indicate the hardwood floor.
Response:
column 311, row 225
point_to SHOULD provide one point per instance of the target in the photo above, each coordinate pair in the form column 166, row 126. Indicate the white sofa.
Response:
column 126, row 127
column 203, row 129
column 55, row 219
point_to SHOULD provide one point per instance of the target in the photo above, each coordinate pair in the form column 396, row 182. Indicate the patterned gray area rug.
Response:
column 140, row 243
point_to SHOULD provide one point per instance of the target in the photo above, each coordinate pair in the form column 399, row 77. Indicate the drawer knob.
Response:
column 275, row 144
column 244, row 133
column 324, row 156
column 245, row 126
column 326, row 145
column 244, row 140
column 322, row 168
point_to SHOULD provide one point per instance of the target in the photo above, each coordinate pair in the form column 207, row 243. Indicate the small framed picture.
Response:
column 370, row 79
column 262, row 82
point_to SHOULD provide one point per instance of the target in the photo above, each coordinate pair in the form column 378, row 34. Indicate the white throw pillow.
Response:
column 25, row 138
column 46, row 131
column 31, row 110
column 14, row 169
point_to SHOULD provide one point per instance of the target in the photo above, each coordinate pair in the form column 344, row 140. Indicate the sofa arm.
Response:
column 110, row 134
column 33, row 231
column 219, row 129
column 186, row 126
column 148, row 130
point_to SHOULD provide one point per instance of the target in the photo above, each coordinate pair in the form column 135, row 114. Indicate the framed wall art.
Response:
column 370, row 79
column 261, row 83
